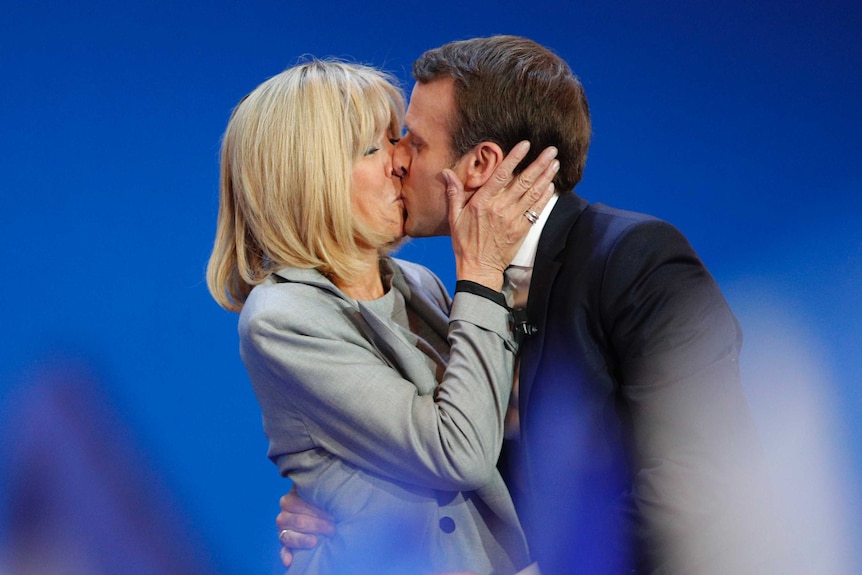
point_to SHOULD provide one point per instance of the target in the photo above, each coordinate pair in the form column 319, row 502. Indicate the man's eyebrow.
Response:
column 409, row 130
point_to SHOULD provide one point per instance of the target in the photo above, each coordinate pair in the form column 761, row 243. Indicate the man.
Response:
column 633, row 448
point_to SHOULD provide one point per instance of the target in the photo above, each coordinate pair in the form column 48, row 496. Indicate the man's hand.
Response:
column 488, row 229
column 299, row 523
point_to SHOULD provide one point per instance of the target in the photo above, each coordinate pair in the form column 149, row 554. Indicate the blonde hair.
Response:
column 287, row 158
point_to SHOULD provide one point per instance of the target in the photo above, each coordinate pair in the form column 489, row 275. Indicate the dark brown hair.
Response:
column 509, row 89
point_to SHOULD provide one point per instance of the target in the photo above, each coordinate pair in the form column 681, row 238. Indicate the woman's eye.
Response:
column 372, row 151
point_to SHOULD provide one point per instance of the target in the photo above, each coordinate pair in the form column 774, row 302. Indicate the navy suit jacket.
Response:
column 635, row 433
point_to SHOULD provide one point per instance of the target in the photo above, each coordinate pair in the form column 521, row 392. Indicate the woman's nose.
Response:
column 391, row 169
column 399, row 161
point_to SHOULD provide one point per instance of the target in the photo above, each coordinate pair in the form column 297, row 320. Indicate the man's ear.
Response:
column 479, row 163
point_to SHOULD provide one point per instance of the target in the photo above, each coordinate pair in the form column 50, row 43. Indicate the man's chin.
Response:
column 409, row 229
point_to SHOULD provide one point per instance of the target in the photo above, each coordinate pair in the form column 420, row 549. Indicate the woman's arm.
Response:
column 322, row 384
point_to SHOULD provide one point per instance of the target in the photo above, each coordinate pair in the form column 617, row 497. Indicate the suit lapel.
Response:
column 547, row 264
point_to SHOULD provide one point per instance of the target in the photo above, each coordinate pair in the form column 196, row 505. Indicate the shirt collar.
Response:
column 526, row 255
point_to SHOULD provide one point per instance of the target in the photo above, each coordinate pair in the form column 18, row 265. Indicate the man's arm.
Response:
column 695, row 448
column 300, row 524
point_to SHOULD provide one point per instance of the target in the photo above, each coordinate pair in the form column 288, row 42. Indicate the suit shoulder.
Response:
column 603, row 214
column 631, row 247
column 619, row 227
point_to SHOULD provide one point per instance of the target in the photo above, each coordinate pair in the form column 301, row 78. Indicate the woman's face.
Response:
column 376, row 193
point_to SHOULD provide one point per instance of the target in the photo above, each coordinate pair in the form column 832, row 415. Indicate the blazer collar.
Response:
column 412, row 292
column 308, row 276
column 312, row 277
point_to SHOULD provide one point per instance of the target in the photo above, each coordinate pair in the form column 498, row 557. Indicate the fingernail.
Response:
column 555, row 166
column 446, row 177
column 524, row 146
column 551, row 187
column 552, row 152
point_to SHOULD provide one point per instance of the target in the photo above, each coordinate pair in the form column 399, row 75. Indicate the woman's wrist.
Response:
column 481, row 290
column 490, row 278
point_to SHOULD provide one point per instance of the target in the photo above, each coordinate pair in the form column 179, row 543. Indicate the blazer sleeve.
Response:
column 676, row 344
column 323, row 385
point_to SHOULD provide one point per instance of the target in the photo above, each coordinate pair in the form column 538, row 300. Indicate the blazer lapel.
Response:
column 393, row 344
column 400, row 353
column 552, row 244
column 422, row 303
column 381, row 332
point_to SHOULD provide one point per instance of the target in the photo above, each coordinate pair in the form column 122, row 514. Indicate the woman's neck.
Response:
column 368, row 285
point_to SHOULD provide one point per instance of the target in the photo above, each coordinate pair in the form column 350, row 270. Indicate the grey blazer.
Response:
column 356, row 418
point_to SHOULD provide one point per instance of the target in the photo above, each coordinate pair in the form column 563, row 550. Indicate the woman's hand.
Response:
column 489, row 227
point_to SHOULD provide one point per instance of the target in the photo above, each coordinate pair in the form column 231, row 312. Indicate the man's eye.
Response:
column 394, row 141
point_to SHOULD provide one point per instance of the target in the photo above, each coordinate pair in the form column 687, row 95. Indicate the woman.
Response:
column 382, row 410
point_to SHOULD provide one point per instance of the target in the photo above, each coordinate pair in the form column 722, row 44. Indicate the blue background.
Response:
column 738, row 121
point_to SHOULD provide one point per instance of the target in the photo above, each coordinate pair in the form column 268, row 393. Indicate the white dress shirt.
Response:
column 516, row 288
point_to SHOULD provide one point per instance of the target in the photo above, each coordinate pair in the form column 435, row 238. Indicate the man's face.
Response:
column 421, row 156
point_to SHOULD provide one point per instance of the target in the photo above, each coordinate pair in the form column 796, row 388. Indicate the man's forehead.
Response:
column 415, row 111
column 414, row 124
column 429, row 107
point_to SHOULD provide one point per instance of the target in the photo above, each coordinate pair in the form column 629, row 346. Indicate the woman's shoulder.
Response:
column 299, row 297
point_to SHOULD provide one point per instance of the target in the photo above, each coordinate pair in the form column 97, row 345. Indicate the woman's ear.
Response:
column 479, row 164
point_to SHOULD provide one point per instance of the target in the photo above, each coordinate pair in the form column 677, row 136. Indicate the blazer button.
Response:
column 447, row 524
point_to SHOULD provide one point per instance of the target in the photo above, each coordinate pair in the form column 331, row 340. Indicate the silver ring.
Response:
column 532, row 216
column 281, row 536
